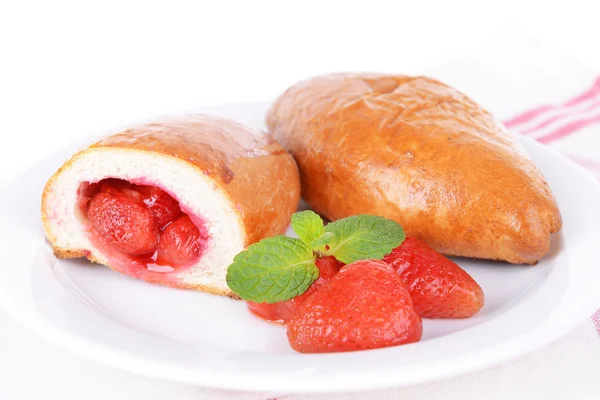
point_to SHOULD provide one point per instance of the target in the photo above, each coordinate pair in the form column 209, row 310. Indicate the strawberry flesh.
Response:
column 283, row 311
column 111, row 184
column 164, row 207
column 438, row 286
column 180, row 243
column 365, row 306
column 123, row 223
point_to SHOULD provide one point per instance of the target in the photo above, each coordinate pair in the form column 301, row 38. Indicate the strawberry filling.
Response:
column 141, row 225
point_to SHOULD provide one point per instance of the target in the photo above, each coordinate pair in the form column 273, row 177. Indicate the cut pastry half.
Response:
column 172, row 201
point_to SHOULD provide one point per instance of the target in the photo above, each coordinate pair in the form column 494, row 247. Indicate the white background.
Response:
column 73, row 69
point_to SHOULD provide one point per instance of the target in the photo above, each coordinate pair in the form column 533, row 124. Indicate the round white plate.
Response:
column 214, row 341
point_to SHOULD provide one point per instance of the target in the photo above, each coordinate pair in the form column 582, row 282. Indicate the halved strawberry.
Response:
column 365, row 306
column 439, row 287
column 283, row 311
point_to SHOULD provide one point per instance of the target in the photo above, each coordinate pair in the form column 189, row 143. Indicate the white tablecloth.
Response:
column 512, row 73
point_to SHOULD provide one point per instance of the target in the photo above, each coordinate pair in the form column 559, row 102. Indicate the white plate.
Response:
column 213, row 341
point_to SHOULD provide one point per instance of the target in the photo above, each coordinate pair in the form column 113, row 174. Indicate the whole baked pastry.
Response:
column 419, row 152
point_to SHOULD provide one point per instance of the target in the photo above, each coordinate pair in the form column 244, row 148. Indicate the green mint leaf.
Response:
column 362, row 237
column 319, row 243
column 274, row 269
column 308, row 225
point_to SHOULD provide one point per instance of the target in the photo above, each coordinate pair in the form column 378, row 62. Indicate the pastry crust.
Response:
column 419, row 152
column 257, row 174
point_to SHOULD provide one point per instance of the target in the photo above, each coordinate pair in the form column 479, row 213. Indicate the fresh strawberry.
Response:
column 284, row 310
column 164, row 208
column 180, row 243
column 438, row 286
column 365, row 306
column 123, row 223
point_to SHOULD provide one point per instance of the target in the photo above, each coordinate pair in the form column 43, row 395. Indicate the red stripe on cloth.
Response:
column 592, row 165
column 530, row 114
column 549, row 121
column 586, row 95
column 526, row 116
column 567, row 129
column 596, row 321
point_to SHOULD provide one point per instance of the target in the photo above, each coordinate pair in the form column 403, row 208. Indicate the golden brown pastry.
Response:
column 421, row 153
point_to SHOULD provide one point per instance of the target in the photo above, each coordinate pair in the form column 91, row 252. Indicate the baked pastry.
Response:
column 419, row 152
column 172, row 202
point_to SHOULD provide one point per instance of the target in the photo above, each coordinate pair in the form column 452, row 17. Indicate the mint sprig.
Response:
column 280, row 268
column 363, row 237
column 319, row 244
column 274, row 269
column 308, row 225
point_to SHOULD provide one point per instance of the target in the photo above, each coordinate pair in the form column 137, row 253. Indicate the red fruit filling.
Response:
column 283, row 311
column 123, row 222
column 142, row 223
column 179, row 242
column 164, row 208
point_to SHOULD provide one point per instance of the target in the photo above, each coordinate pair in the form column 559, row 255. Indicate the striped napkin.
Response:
column 575, row 120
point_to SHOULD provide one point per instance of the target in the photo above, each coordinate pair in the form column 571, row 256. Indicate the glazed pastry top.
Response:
column 418, row 151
